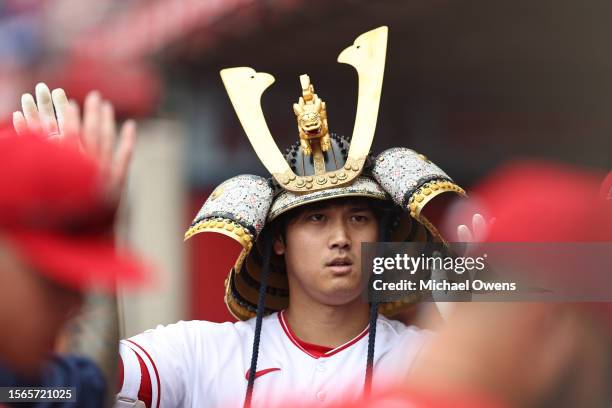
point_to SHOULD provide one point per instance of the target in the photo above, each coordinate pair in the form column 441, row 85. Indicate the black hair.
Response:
column 382, row 209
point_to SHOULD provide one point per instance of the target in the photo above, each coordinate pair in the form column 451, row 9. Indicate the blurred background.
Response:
column 470, row 84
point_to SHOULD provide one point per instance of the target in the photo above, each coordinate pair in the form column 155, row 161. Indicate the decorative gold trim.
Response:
column 434, row 231
column 223, row 226
column 307, row 184
column 318, row 160
column 228, row 228
column 427, row 192
column 236, row 309
column 390, row 308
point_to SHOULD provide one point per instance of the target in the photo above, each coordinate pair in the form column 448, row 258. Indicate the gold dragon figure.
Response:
column 311, row 115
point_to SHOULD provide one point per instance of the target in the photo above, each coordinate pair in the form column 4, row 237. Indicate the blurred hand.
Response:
column 96, row 134
column 446, row 302
column 478, row 232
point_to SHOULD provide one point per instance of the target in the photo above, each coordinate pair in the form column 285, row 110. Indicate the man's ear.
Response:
column 279, row 245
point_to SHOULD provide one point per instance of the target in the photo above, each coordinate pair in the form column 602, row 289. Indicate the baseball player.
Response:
column 296, row 287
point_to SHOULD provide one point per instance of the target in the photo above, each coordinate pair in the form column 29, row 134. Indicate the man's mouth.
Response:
column 340, row 266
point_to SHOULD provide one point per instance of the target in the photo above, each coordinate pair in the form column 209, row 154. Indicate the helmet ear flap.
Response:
column 411, row 179
column 237, row 208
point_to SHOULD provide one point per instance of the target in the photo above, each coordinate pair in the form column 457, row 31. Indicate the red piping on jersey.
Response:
column 154, row 368
column 145, row 392
column 120, row 375
column 314, row 350
column 260, row 373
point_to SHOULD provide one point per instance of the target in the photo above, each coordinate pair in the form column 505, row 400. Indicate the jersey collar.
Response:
column 314, row 350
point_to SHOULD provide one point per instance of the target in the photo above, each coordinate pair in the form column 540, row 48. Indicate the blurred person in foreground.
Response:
column 515, row 354
column 59, row 188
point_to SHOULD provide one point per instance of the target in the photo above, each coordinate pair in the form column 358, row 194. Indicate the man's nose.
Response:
column 339, row 237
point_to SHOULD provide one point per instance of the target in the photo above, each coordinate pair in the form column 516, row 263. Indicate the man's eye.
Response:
column 359, row 218
column 316, row 217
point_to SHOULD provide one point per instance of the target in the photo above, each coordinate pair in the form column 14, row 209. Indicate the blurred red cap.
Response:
column 53, row 209
column 545, row 202
column 606, row 189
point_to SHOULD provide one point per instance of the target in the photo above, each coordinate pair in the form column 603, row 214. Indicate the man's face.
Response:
column 33, row 310
column 322, row 250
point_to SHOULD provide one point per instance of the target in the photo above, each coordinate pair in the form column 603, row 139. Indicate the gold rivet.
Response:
column 434, row 187
column 347, row 166
column 239, row 232
column 342, row 175
column 333, row 181
column 286, row 180
column 355, row 167
column 309, row 185
column 321, row 180
column 292, row 177
column 229, row 227
column 422, row 156
column 420, row 199
column 427, row 191
column 309, row 179
column 300, row 183
column 332, row 176
column 220, row 224
column 381, row 159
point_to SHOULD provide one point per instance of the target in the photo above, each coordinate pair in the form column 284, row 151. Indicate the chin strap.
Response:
column 367, row 388
column 258, row 321
column 384, row 224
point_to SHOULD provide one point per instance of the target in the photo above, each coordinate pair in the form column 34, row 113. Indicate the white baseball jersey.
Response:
column 204, row 364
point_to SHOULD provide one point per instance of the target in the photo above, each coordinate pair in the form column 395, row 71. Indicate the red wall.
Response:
column 211, row 257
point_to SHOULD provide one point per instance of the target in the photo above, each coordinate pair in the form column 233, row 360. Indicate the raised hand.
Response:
column 477, row 233
column 51, row 113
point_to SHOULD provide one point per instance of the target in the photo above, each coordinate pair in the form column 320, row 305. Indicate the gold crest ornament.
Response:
column 320, row 166
column 311, row 115
column 245, row 87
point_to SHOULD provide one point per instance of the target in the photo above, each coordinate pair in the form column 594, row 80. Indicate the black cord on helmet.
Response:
column 384, row 223
column 371, row 343
column 258, row 321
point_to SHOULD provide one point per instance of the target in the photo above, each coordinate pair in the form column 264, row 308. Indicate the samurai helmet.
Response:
column 320, row 166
